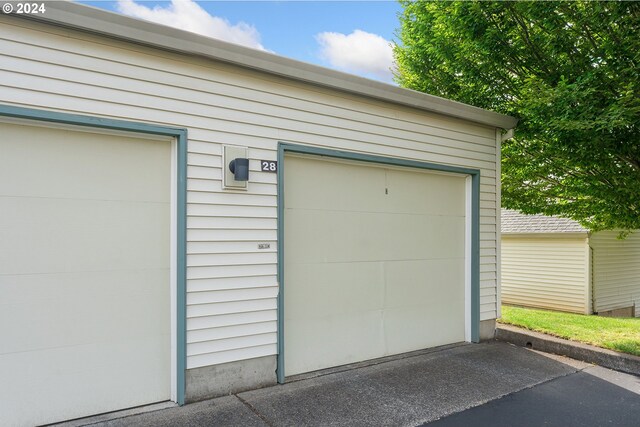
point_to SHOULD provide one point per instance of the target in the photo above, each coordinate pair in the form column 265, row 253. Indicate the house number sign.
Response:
column 269, row 166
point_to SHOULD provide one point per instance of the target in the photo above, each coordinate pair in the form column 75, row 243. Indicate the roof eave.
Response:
column 98, row 21
column 554, row 234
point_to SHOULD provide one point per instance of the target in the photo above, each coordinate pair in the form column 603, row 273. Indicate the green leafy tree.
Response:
column 569, row 71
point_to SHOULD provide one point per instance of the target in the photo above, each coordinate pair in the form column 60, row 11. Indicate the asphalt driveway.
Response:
column 593, row 397
column 491, row 383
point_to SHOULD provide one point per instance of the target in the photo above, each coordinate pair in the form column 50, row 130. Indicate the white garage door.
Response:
column 84, row 276
column 374, row 261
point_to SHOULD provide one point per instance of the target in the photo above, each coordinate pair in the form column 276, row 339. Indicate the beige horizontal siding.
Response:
column 231, row 285
column 616, row 271
column 550, row 272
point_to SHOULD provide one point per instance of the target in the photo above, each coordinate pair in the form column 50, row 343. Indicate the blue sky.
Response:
column 351, row 36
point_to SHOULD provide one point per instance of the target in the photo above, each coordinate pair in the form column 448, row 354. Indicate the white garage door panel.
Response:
column 334, row 182
column 372, row 236
column 425, row 193
column 84, row 283
column 374, row 262
column 334, row 341
column 75, row 163
column 56, row 310
column 128, row 232
column 438, row 282
column 336, row 189
column 46, row 378
column 330, row 285
column 423, row 313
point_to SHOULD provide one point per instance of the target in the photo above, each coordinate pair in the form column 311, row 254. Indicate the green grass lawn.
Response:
column 619, row 334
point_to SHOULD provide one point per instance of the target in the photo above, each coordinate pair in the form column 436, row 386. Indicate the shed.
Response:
column 555, row 263
column 137, row 267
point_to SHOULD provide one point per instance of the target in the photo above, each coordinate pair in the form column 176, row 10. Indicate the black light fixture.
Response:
column 240, row 169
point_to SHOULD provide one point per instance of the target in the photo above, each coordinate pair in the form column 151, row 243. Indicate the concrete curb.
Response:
column 587, row 353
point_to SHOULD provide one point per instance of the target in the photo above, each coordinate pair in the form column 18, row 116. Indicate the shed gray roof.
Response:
column 72, row 15
column 516, row 222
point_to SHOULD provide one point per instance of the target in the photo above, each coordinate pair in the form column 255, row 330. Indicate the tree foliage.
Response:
column 569, row 71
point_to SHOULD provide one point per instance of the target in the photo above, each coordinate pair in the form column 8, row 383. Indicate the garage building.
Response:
column 137, row 267
column 555, row 263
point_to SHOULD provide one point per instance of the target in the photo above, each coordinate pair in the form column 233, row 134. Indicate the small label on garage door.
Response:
column 264, row 245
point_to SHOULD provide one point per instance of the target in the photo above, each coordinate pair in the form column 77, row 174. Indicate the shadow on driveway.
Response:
column 580, row 399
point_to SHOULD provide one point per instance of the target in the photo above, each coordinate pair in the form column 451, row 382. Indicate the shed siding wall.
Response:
column 545, row 273
column 616, row 271
column 231, row 284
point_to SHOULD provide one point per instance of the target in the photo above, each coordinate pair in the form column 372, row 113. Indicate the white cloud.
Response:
column 188, row 15
column 359, row 52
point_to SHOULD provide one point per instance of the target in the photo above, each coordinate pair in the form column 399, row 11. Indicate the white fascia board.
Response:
column 557, row 235
column 98, row 21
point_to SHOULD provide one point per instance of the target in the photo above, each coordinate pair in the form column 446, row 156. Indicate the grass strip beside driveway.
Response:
column 619, row 334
